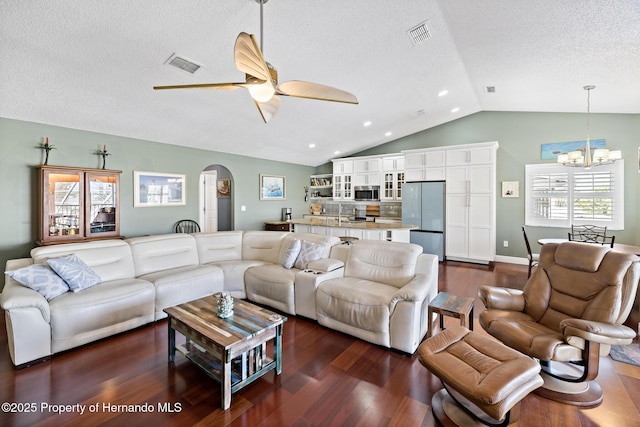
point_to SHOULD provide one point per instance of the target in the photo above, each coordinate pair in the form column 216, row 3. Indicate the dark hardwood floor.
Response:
column 328, row 379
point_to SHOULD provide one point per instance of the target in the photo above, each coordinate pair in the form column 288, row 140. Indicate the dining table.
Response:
column 620, row 247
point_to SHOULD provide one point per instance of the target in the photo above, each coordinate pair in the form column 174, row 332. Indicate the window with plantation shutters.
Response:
column 559, row 196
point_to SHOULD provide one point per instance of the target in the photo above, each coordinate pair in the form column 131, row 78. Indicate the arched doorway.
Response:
column 216, row 194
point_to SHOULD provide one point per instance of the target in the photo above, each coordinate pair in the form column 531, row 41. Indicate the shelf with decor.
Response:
column 321, row 186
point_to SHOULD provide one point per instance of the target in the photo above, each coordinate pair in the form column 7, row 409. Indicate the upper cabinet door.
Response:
column 62, row 204
column 103, row 204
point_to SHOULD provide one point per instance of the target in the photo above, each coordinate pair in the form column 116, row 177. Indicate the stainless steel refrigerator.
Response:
column 423, row 205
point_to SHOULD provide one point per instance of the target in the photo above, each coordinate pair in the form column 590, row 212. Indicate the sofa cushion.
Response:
column 100, row 311
column 219, row 246
column 182, row 284
column 111, row 259
column 288, row 258
column 42, row 279
column 233, row 272
column 262, row 245
column 308, row 252
column 74, row 271
column 391, row 263
column 163, row 252
column 357, row 302
column 272, row 284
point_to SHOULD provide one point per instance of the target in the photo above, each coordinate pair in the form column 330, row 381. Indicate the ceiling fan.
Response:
column 261, row 79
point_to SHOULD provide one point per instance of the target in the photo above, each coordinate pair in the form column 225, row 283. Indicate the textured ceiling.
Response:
column 91, row 64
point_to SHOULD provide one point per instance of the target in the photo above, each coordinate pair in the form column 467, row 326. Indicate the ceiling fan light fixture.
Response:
column 262, row 93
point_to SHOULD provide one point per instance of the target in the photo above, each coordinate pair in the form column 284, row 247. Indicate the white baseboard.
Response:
column 512, row 260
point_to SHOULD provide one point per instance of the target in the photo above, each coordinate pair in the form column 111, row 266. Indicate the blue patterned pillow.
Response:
column 75, row 272
column 308, row 252
column 291, row 254
column 40, row 278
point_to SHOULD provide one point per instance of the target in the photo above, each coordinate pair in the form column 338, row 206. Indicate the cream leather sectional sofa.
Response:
column 141, row 276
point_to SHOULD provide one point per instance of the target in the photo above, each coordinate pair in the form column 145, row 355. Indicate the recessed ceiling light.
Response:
column 388, row 134
column 312, row 145
column 443, row 92
column 455, row 110
column 336, row 152
column 367, row 123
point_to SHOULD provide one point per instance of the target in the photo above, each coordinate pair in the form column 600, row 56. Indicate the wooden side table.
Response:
column 277, row 226
column 445, row 304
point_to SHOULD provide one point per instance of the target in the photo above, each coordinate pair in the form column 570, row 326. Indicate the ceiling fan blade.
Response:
column 215, row 86
column 320, row 92
column 269, row 109
column 249, row 58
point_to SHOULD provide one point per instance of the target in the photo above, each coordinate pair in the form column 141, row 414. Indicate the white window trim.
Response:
column 617, row 223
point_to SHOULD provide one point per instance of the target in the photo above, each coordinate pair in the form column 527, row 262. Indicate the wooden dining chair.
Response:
column 533, row 258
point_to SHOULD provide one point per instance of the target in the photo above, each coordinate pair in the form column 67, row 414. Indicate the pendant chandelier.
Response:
column 600, row 156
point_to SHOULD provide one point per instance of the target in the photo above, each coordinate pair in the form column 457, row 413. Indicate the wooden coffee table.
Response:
column 233, row 350
column 446, row 304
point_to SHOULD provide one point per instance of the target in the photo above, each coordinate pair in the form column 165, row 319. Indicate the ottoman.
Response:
column 483, row 379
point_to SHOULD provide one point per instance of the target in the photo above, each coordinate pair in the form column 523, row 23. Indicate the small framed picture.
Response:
column 272, row 187
column 510, row 188
column 224, row 188
column 154, row 189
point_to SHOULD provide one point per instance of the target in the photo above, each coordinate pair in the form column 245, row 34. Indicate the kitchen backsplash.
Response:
column 387, row 209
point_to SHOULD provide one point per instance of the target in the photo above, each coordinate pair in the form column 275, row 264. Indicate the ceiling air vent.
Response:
column 490, row 89
column 183, row 63
column 420, row 33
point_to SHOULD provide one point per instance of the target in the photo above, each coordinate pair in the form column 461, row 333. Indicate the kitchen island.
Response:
column 344, row 227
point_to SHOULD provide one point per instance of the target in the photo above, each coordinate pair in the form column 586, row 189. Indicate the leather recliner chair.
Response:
column 569, row 313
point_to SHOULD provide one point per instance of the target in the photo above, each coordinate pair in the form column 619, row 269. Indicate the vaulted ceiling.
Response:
column 91, row 64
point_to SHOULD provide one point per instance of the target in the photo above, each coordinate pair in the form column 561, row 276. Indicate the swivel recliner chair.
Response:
column 569, row 313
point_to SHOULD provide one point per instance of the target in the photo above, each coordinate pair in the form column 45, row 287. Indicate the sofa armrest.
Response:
column 600, row 332
column 501, row 298
column 325, row 264
column 416, row 290
column 15, row 296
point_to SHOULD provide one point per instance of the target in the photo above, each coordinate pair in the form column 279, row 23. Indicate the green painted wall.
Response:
column 18, row 185
column 520, row 135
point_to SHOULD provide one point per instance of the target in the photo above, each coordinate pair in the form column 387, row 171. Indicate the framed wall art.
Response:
column 510, row 188
column 272, row 187
column 551, row 151
column 224, row 188
column 154, row 189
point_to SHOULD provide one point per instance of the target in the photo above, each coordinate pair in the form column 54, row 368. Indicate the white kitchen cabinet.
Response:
column 342, row 166
column 470, row 202
column 342, row 179
column 343, row 187
column 372, row 178
column 368, row 165
column 424, row 165
column 393, row 163
column 367, row 171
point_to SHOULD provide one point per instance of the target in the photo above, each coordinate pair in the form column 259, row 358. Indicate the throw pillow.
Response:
column 75, row 272
column 291, row 254
column 308, row 252
column 40, row 278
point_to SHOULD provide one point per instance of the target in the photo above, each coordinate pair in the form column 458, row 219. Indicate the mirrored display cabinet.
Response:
column 78, row 204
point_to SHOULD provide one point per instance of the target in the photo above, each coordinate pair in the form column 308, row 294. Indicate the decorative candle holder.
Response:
column 104, row 155
column 46, row 147
column 224, row 304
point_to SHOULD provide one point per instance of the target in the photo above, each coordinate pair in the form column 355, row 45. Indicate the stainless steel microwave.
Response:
column 367, row 193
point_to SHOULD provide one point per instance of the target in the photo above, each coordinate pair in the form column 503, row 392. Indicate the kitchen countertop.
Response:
column 345, row 223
